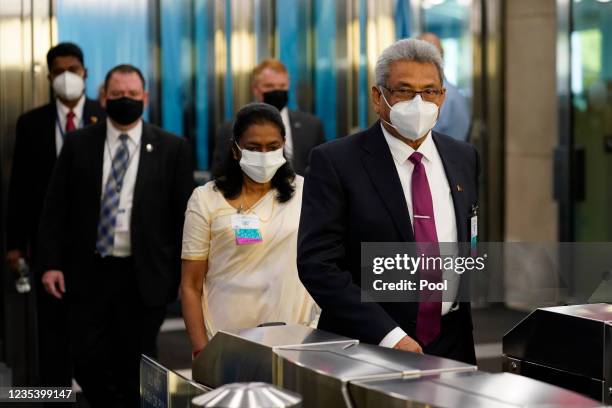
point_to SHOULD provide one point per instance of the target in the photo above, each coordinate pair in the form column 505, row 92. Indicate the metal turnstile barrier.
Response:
column 569, row 346
column 334, row 371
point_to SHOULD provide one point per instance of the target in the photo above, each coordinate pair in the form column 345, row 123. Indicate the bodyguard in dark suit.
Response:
column 110, row 238
column 303, row 130
column 395, row 182
column 39, row 139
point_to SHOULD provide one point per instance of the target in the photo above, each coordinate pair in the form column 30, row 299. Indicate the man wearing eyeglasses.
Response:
column 398, row 181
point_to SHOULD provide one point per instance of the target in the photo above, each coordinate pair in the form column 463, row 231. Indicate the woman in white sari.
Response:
column 240, row 236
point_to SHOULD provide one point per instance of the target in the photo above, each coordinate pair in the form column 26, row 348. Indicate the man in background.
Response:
column 39, row 139
column 455, row 118
column 110, row 238
column 270, row 84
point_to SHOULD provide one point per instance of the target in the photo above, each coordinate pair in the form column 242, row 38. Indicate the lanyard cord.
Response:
column 59, row 123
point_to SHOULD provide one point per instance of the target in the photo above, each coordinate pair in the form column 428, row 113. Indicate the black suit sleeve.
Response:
column 18, row 198
column 477, row 171
column 320, row 133
column 321, row 253
column 54, row 217
column 183, row 187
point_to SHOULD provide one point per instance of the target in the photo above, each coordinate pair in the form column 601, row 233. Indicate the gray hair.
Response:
column 406, row 50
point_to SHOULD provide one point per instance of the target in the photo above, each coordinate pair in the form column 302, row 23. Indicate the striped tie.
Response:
column 110, row 199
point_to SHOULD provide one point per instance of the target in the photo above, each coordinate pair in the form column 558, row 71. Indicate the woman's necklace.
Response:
column 244, row 208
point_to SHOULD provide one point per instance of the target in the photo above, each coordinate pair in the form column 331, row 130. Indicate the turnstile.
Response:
column 569, row 346
column 334, row 371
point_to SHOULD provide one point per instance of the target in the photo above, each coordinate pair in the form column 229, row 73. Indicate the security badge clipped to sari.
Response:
column 246, row 229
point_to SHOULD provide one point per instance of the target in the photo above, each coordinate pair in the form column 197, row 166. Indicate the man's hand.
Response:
column 54, row 283
column 407, row 343
column 12, row 258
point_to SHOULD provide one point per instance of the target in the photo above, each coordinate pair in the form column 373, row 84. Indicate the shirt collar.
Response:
column 401, row 151
column 62, row 110
column 285, row 113
column 134, row 134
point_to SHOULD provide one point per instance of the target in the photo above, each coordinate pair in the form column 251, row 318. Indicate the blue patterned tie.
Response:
column 110, row 199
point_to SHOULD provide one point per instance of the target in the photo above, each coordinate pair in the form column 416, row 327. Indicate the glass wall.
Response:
column 591, row 102
column 110, row 32
column 197, row 55
column 450, row 20
column 26, row 33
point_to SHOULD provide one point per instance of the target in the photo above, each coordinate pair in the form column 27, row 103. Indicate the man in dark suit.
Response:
column 395, row 182
column 39, row 139
column 270, row 84
column 110, row 238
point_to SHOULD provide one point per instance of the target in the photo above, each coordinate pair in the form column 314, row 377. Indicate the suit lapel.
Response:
column 456, row 183
column 48, row 136
column 296, row 133
column 379, row 165
column 146, row 165
column 97, row 162
column 89, row 116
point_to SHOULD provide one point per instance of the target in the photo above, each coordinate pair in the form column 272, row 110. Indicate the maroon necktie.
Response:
column 424, row 225
column 70, row 126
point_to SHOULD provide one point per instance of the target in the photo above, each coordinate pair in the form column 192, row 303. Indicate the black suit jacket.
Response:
column 306, row 133
column 353, row 194
column 68, row 227
column 33, row 160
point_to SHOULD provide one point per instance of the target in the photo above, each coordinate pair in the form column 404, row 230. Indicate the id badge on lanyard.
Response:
column 246, row 229
column 474, row 229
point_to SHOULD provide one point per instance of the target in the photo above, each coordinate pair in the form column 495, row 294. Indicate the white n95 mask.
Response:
column 414, row 118
column 69, row 86
column 260, row 166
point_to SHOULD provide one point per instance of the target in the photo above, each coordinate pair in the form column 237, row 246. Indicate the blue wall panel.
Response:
column 201, row 43
column 229, row 83
column 402, row 19
column 287, row 37
column 175, row 62
column 325, row 66
column 110, row 32
column 364, row 92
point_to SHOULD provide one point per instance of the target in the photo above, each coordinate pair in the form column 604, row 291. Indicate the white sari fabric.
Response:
column 247, row 285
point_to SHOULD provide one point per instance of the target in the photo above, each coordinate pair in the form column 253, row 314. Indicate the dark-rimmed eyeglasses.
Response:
column 407, row 94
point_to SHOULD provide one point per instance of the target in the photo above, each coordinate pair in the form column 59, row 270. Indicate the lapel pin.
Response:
column 93, row 120
column 459, row 188
column 149, row 147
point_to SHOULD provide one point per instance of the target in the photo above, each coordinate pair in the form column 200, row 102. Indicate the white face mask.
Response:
column 69, row 86
column 260, row 166
column 412, row 119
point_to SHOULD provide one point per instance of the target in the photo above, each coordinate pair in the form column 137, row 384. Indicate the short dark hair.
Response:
column 65, row 49
column 124, row 69
column 228, row 178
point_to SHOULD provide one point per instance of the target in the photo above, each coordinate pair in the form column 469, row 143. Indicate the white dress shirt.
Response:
column 288, row 136
column 122, row 242
column 62, row 112
column 443, row 207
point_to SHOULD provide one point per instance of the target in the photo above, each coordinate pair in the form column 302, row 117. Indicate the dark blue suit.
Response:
column 352, row 194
